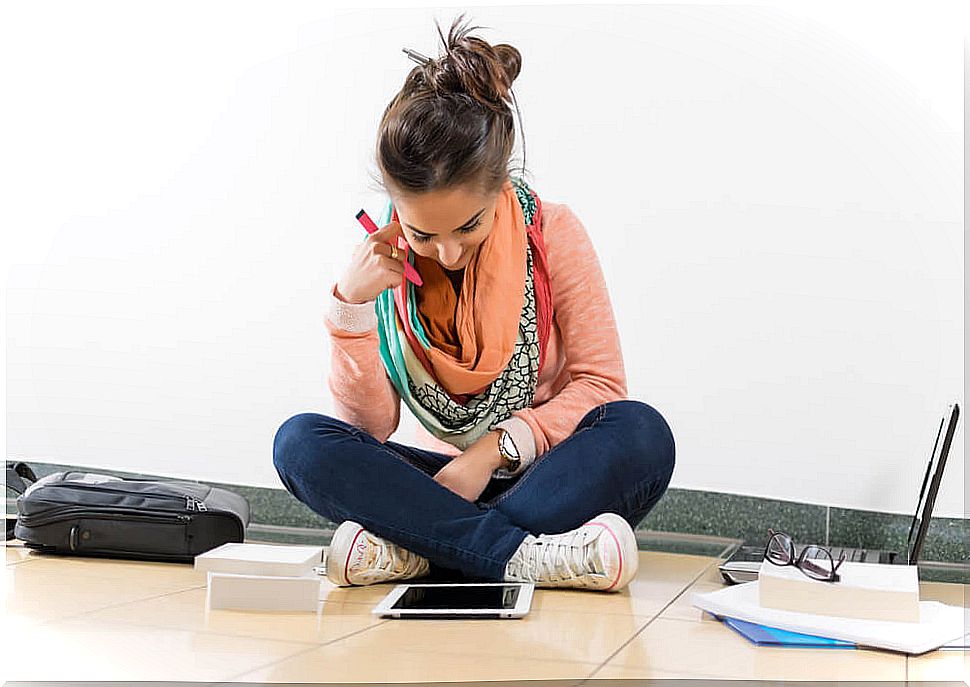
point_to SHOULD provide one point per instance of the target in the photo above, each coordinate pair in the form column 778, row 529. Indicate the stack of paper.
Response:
column 938, row 623
column 261, row 577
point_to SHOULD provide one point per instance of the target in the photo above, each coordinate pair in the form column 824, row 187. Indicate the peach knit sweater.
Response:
column 583, row 367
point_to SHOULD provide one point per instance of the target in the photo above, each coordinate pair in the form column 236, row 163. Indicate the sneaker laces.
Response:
column 558, row 557
column 388, row 558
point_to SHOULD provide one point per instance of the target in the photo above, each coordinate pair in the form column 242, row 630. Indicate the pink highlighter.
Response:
column 410, row 273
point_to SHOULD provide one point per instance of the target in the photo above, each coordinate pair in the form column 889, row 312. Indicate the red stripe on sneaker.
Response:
column 353, row 544
column 616, row 540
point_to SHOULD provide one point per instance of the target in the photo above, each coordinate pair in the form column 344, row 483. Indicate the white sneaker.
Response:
column 357, row 557
column 600, row 555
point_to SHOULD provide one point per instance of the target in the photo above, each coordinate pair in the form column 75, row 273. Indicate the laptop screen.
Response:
column 931, row 483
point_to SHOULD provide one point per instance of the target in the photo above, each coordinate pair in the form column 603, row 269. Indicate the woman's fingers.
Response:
column 384, row 251
column 388, row 233
column 396, row 266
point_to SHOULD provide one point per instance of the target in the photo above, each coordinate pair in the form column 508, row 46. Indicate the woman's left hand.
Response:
column 468, row 474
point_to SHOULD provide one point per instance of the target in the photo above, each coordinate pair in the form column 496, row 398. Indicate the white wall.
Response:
column 775, row 195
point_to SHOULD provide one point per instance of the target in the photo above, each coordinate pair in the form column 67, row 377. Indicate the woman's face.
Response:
column 447, row 226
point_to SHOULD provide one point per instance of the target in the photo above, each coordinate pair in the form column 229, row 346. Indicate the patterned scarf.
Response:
column 464, row 362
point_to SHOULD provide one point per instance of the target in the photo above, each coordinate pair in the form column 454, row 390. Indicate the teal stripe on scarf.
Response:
column 384, row 306
column 390, row 353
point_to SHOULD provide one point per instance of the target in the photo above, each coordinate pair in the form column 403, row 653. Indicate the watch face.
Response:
column 508, row 446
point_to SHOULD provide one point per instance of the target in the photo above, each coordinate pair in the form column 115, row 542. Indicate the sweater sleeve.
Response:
column 363, row 395
column 591, row 342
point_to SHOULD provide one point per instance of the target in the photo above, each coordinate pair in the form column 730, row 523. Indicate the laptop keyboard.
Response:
column 857, row 555
column 850, row 554
column 755, row 554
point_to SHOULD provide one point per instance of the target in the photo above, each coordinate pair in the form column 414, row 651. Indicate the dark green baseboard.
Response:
column 708, row 522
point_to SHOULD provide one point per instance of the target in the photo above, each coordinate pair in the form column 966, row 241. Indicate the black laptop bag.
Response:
column 89, row 514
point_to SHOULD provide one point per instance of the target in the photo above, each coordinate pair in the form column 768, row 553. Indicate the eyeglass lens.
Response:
column 817, row 562
column 780, row 549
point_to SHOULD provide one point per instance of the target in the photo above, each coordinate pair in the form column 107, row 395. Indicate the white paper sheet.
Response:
column 938, row 623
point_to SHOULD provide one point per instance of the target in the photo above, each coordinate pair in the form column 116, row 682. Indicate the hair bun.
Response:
column 473, row 67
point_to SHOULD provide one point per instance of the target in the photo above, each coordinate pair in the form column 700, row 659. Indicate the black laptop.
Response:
column 744, row 564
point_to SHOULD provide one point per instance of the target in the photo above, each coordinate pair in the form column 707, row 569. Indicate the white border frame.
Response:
column 522, row 605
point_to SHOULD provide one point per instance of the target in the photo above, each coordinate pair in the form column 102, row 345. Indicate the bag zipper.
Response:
column 113, row 514
column 190, row 500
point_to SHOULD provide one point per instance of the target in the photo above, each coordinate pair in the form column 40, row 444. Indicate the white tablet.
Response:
column 464, row 600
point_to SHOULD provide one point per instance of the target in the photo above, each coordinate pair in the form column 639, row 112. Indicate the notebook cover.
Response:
column 762, row 635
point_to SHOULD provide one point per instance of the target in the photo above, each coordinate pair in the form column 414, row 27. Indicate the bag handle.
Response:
column 16, row 473
column 18, row 476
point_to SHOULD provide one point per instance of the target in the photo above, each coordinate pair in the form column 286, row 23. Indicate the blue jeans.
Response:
column 619, row 458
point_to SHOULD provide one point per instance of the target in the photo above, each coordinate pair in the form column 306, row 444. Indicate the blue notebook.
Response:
column 762, row 635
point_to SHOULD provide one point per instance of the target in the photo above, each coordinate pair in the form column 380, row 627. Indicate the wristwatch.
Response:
column 508, row 450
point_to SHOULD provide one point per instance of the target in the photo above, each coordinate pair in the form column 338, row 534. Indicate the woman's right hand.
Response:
column 372, row 269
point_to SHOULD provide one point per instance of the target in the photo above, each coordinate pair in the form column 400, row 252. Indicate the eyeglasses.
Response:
column 815, row 561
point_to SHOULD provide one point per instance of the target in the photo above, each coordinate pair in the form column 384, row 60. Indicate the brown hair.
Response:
column 450, row 124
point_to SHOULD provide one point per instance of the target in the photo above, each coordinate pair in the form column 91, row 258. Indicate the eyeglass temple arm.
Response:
column 806, row 563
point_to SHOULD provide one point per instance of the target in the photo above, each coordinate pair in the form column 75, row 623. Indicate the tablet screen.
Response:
column 459, row 597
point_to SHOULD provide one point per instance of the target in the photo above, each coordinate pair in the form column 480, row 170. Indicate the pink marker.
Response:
column 409, row 272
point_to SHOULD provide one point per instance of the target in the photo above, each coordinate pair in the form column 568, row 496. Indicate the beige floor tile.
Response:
column 642, row 673
column 944, row 592
column 16, row 552
column 675, row 568
column 711, row 649
column 82, row 650
column 367, row 595
column 538, row 636
column 683, row 609
column 187, row 611
column 360, row 659
column 50, row 587
column 948, row 664
column 660, row 578
column 712, row 575
column 710, row 580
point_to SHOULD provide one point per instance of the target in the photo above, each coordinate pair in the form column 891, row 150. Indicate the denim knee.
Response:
column 297, row 442
column 649, row 441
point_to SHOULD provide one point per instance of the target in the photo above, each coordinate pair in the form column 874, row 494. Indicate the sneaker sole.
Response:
column 626, row 546
column 341, row 547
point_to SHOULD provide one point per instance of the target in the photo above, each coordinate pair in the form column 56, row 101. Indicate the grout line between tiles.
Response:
column 117, row 605
column 647, row 624
column 313, row 647
column 233, row 635
column 206, row 632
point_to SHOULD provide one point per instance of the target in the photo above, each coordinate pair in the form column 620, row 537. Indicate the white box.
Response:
column 244, row 558
column 868, row 591
column 262, row 592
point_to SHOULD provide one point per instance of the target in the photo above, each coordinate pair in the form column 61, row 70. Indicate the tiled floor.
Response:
column 99, row 619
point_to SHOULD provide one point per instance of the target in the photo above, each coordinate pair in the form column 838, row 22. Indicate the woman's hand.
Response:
column 468, row 474
column 372, row 269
